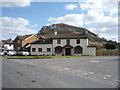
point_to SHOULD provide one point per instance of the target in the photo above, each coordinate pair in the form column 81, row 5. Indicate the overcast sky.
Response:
column 26, row 17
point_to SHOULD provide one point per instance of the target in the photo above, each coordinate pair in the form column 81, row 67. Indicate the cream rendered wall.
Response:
column 9, row 47
column 83, row 44
column 91, row 51
column 44, row 49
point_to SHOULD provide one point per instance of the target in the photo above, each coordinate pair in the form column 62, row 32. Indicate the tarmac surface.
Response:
column 80, row 72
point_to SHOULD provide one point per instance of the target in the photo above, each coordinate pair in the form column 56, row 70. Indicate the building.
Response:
column 7, row 44
column 22, row 42
column 63, row 44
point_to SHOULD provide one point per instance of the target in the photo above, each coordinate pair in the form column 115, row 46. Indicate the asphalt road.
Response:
column 82, row 72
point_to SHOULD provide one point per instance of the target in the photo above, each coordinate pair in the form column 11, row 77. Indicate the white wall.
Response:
column 9, row 47
column 91, row 51
column 83, row 44
column 44, row 49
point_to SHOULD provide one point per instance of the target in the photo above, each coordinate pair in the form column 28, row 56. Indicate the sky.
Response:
column 27, row 16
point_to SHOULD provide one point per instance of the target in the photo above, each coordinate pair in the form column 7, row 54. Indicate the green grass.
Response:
column 45, row 57
column 41, row 57
column 28, row 57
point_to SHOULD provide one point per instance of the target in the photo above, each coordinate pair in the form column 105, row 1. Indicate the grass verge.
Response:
column 46, row 57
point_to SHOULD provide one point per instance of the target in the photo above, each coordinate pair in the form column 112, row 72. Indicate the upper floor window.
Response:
column 18, row 48
column 10, row 44
column 39, row 49
column 33, row 49
column 78, row 41
column 67, row 41
column 58, row 41
column 48, row 49
column 19, row 41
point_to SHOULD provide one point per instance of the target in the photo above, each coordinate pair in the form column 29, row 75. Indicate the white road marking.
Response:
column 95, row 61
column 104, row 78
column 67, row 68
column 85, row 74
column 20, row 61
column 108, row 76
column 116, row 80
column 91, row 73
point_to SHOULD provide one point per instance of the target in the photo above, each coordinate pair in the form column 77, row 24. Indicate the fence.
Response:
column 107, row 52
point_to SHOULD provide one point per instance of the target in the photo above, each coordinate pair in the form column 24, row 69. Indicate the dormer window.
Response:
column 68, row 42
column 78, row 41
column 42, row 39
column 58, row 41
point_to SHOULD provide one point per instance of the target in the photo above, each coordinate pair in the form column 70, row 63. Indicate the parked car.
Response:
column 25, row 53
column 9, row 52
column 1, row 51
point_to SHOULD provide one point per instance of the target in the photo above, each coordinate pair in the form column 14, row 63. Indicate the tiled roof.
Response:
column 24, row 37
column 43, row 41
column 70, row 36
column 48, row 40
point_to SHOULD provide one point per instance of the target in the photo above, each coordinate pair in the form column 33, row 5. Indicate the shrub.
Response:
column 110, row 46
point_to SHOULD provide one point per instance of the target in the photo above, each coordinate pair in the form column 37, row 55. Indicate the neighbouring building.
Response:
column 22, row 42
column 7, row 44
column 63, row 44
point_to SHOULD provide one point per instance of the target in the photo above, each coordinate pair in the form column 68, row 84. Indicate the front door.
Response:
column 68, row 51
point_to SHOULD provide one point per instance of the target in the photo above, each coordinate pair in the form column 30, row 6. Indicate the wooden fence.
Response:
column 107, row 52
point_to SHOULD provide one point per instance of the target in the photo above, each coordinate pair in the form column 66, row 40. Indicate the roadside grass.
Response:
column 46, row 57
column 28, row 57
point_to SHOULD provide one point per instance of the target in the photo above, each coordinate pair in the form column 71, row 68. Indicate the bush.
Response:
column 110, row 46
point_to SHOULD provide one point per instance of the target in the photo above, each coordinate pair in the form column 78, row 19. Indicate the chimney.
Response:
column 55, row 33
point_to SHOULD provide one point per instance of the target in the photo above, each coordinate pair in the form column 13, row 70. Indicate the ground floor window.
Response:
column 58, row 50
column 33, row 49
column 48, row 49
column 39, row 49
column 78, row 50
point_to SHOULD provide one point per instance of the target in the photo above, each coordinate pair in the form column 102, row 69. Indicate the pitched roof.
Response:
column 24, row 37
column 7, row 41
column 48, row 40
column 43, row 41
column 70, row 36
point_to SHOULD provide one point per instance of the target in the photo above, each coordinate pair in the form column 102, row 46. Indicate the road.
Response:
column 81, row 72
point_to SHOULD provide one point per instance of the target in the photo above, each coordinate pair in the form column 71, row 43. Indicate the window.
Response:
column 19, row 41
column 18, row 48
column 68, row 42
column 58, row 41
column 78, row 41
column 39, row 49
column 33, row 49
column 48, row 49
column 10, row 44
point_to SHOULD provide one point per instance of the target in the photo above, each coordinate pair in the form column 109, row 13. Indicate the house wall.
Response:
column 9, row 47
column 23, row 42
column 83, row 44
column 28, row 40
column 91, row 51
column 44, row 49
column 16, row 44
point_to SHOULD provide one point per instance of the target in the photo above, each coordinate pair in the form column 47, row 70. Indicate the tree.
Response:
column 110, row 46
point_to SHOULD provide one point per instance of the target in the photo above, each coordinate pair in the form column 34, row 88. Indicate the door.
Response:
column 68, row 51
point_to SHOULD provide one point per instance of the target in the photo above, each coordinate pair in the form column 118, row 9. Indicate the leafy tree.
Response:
column 110, row 46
